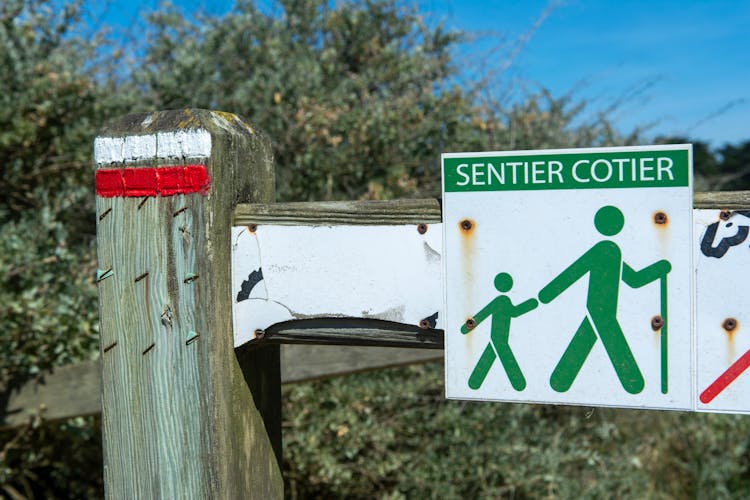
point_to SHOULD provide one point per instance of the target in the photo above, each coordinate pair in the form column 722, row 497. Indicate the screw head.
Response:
column 729, row 324
column 252, row 227
column 725, row 214
column 422, row 228
column 470, row 324
column 660, row 218
column 424, row 324
column 657, row 322
column 466, row 225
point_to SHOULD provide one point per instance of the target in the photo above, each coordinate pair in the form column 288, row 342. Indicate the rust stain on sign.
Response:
column 660, row 219
column 467, row 229
column 730, row 327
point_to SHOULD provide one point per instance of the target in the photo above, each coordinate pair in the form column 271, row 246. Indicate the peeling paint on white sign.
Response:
column 282, row 273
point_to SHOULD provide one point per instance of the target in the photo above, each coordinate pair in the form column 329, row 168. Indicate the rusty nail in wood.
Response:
column 466, row 224
column 179, row 211
column 192, row 339
column 422, row 228
column 424, row 324
column 660, row 218
column 104, row 275
column 657, row 322
column 470, row 324
column 252, row 227
column 139, row 278
column 105, row 213
column 729, row 324
column 143, row 202
column 190, row 278
column 149, row 348
column 110, row 346
column 725, row 214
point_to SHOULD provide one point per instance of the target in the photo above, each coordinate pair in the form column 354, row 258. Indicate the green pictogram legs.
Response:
column 605, row 268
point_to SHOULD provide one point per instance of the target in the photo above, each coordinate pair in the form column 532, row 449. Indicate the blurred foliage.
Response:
column 392, row 434
column 359, row 99
column 724, row 169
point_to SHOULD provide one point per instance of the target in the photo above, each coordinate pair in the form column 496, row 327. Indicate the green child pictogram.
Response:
column 603, row 262
column 502, row 311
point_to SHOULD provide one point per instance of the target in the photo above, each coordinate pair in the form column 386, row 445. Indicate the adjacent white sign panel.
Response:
column 568, row 276
column 722, row 257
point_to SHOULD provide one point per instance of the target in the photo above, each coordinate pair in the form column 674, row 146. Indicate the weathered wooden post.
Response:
column 183, row 415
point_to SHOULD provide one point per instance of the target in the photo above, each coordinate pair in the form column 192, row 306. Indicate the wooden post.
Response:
column 183, row 416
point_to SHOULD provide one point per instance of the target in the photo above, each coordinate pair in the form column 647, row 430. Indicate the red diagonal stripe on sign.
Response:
column 149, row 181
column 726, row 378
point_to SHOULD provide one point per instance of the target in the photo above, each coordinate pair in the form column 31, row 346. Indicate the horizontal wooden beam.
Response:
column 723, row 200
column 67, row 391
column 75, row 390
column 407, row 211
column 355, row 213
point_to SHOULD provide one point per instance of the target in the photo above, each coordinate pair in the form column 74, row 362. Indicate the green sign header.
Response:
column 575, row 170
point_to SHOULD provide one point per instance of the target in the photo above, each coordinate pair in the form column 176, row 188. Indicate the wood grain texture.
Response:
column 723, row 200
column 183, row 415
column 368, row 213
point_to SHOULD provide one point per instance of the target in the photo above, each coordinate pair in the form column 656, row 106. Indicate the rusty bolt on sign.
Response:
column 660, row 218
column 422, row 228
column 725, row 214
column 470, row 324
column 424, row 324
column 729, row 324
column 466, row 225
column 657, row 322
column 252, row 227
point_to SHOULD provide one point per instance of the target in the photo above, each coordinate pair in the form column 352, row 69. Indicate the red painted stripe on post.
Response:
column 149, row 181
column 726, row 378
column 140, row 182
column 109, row 183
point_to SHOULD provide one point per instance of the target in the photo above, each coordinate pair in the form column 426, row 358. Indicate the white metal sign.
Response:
column 722, row 261
column 282, row 273
column 568, row 276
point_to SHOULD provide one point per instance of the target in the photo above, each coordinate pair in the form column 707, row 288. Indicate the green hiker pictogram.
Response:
column 502, row 311
column 603, row 262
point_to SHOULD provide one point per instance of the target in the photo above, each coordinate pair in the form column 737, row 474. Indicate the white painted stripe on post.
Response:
column 138, row 147
column 184, row 144
column 108, row 149
column 163, row 145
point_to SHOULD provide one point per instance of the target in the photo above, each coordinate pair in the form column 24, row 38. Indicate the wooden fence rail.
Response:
column 75, row 390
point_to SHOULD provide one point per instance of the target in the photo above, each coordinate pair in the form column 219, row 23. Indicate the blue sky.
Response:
column 683, row 67
column 691, row 60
